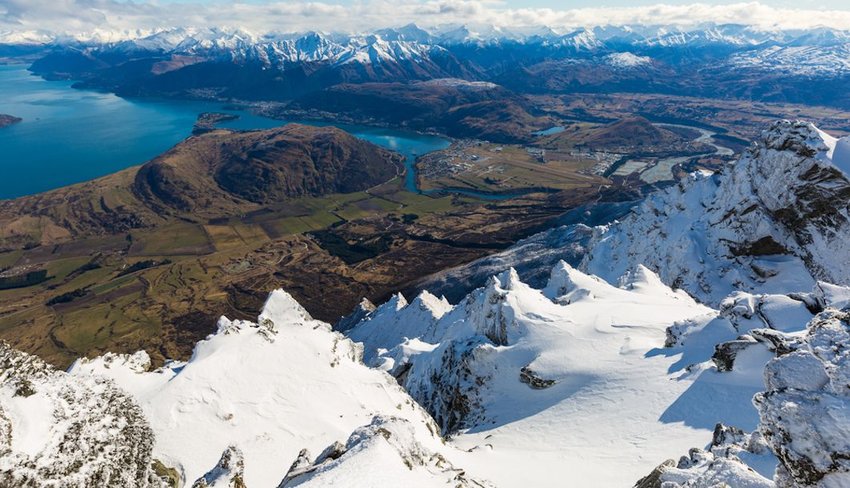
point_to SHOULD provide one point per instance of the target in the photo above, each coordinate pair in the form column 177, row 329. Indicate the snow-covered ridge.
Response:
column 579, row 369
column 804, row 52
column 627, row 60
column 254, row 394
column 588, row 37
column 775, row 221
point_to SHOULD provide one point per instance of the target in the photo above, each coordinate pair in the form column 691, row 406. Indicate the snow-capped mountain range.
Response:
column 709, row 325
column 817, row 50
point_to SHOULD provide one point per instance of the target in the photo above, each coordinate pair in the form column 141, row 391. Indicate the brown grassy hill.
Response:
column 630, row 132
column 210, row 176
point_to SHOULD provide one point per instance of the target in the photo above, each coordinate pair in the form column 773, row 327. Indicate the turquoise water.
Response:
column 68, row 135
column 550, row 131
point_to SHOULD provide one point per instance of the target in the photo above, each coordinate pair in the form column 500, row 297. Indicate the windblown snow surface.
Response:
column 584, row 380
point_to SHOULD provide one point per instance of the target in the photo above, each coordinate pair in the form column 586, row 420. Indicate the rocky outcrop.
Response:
column 774, row 221
column 409, row 460
column 533, row 380
column 725, row 353
column 70, row 432
column 804, row 408
column 803, row 423
column 228, row 473
column 7, row 120
column 719, row 464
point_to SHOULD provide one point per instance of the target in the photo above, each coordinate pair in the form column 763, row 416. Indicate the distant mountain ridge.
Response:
column 713, row 60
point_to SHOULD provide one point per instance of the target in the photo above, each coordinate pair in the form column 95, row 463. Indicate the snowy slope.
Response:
column 586, row 381
column 773, row 222
column 572, row 381
column 801, row 60
column 801, row 437
column 269, row 389
column 819, row 52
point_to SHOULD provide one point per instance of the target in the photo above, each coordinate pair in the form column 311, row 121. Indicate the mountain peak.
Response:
column 782, row 209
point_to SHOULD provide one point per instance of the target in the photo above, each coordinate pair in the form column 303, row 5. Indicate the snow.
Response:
column 584, row 347
column 829, row 60
column 596, row 342
column 699, row 234
column 61, row 430
column 396, row 321
column 841, row 155
column 270, row 388
column 804, row 410
column 404, row 458
column 32, row 421
column 627, row 60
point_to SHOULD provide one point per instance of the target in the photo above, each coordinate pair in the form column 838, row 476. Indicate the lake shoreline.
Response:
column 93, row 134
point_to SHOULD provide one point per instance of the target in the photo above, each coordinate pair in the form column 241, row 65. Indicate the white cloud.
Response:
column 130, row 17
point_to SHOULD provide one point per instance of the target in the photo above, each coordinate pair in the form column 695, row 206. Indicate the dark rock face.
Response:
column 776, row 342
column 725, row 353
column 764, row 246
column 530, row 378
column 453, row 400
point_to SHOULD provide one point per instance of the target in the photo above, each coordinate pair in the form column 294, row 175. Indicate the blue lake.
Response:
column 68, row 135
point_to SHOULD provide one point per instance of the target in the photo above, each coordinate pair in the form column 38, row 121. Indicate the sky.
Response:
column 136, row 17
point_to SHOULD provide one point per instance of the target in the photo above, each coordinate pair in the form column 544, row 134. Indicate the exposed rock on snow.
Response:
column 719, row 465
column 389, row 442
column 805, row 411
column 773, row 222
column 65, row 431
column 228, row 473
column 804, row 424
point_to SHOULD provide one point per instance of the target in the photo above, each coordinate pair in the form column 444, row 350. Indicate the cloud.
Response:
column 137, row 17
